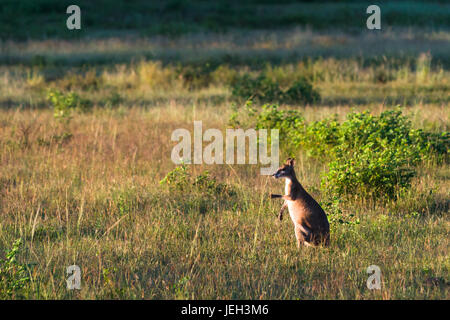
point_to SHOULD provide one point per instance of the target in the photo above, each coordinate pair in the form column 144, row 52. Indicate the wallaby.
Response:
column 310, row 221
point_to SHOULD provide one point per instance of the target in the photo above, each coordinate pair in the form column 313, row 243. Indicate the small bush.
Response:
column 374, row 155
column 301, row 91
column 65, row 104
column 113, row 99
column 335, row 214
column 180, row 179
column 14, row 276
column 368, row 156
column 266, row 90
column 196, row 76
column 290, row 124
column 329, row 137
column 177, row 179
column 369, row 173
column 321, row 137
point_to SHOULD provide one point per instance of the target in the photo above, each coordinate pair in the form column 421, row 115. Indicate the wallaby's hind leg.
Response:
column 307, row 244
column 303, row 235
column 299, row 235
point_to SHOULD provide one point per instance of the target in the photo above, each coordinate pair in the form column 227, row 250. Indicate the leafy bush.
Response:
column 290, row 124
column 373, row 155
column 369, row 156
column 369, row 172
column 14, row 276
column 180, row 179
column 302, row 91
column 320, row 137
column 328, row 137
column 65, row 104
column 113, row 99
column 177, row 179
column 196, row 76
column 335, row 214
column 376, row 155
column 266, row 90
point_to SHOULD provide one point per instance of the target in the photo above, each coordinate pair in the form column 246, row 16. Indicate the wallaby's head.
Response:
column 286, row 170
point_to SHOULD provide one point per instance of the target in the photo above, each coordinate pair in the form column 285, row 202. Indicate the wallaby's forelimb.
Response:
column 283, row 207
column 284, row 196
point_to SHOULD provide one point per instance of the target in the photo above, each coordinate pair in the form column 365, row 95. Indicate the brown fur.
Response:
column 310, row 221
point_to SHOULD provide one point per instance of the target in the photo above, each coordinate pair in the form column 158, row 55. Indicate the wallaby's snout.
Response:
column 279, row 174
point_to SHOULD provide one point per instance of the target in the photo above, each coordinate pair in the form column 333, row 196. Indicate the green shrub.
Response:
column 301, row 91
column 435, row 144
column 290, row 124
column 113, row 99
column 177, row 179
column 376, row 155
column 368, row 156
column 196, row 76
column 389, row 129
column 369, row 172
column 181, row 179
column 266, row 90
column 335, row 214
column 65, row 104
column 320, row 137
column 14, row 276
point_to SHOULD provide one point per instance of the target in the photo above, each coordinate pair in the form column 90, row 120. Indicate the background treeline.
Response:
column 46, row 18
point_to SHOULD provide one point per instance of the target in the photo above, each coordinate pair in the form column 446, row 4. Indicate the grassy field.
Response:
column 83, row 186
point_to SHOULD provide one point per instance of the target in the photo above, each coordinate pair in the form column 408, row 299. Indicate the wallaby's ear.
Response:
column 290, row 161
